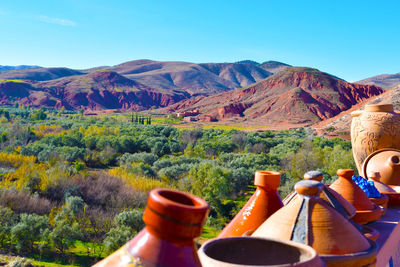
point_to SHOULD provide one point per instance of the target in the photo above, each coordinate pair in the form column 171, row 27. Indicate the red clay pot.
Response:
column 385, row 190
column 264, row 202
column 366, row 211
column 252, row 251
column 387, row 163
column 327, row 194
column 173, row 219
column 310, row 220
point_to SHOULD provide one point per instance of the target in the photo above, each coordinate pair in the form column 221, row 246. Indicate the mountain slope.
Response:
column 385, row 81
column 38, row 74
column 294, row 95
column 94, row 91
column 340, row 124
column 196, row 79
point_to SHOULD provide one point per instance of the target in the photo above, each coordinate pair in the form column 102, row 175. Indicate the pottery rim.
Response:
column 309, row 254
column 365, row 163
column 354, row 256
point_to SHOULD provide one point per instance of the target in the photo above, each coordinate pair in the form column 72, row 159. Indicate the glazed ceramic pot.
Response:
column 366, row 211
column 173, row 219
column 264, row 202
column 252, row 251
column 386, row 162
column 327, row 194
column 377, row 127
column 308, row 219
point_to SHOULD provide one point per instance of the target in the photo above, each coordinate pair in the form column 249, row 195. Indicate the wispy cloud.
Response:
column 59, row 21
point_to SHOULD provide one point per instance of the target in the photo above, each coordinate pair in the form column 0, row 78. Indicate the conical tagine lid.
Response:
column 366, row 211
column 328, row 194
column 310, row 220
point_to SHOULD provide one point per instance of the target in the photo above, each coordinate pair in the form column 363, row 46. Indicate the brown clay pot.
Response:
column 386, row 162
column 377, row 127
column 338, row 203
column 173, row 219
column 310, row 220
column 264, row 202
column 366, row 211
column 385, row 190
column 252, row 251
column 327, row 194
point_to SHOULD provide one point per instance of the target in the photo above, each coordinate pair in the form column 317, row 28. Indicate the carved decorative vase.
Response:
column 366, row 211
column 377, row 127
column 264, row 202
column 308, row 219
column 252, row 251
column 173, row 219
column 386, row 162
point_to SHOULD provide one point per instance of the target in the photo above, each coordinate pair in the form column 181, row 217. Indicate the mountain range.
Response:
column 246, row 91
column 294, row 95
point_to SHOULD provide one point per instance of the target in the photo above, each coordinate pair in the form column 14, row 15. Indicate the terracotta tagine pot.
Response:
column 252, row 251
column 384, row 189
column 308, row 219
column 387, row 163
column 366, row 211
column 337, row 202
column 173, row 219
column 377, row 127
column 327, row 194
column 264, row 202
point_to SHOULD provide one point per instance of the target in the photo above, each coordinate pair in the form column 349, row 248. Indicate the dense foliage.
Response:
column 67, row 179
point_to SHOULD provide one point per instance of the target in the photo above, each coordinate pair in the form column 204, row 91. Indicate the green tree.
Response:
column 30, row 229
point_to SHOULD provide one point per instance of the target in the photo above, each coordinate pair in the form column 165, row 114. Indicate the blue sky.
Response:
column 350, row 39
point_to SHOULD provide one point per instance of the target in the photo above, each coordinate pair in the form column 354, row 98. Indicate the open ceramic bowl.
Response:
column 255, row 251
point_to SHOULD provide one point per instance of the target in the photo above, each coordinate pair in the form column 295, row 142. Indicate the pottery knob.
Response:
column 345, row 173
column 267, row 179
column 314, row 175
column 373, row 175
column 308, row 188
column 394, row 161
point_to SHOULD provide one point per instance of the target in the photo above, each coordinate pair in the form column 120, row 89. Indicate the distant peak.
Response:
column 249, row 62
column 272, row 63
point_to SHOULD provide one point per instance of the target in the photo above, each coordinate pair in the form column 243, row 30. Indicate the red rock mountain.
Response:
column 294, row 95
column 193, row 78
column 97, row 90
column 340, row 124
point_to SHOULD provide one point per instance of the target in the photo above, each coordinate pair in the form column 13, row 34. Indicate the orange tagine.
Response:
column 308, row 219
column 264, row 202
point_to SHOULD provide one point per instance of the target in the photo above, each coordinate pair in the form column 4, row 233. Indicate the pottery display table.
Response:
column 389, row 239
